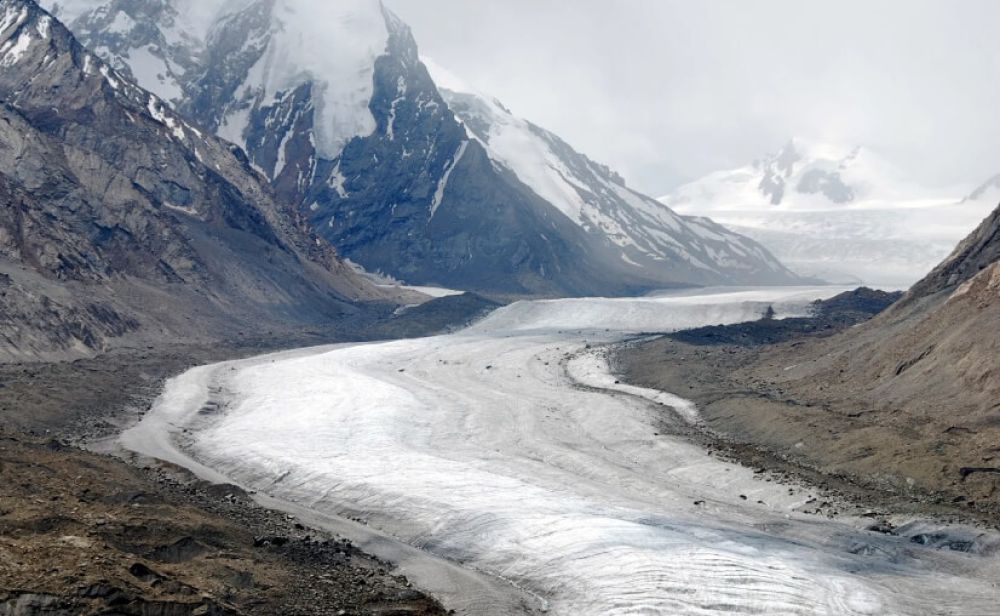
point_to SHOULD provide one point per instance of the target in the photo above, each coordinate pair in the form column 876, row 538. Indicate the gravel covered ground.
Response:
column 885, row 461
column 82, row 533
column 86, row 533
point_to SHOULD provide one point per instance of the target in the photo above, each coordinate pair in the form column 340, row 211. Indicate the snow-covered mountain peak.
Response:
column 802, row 175
column 172, row 47
column 845, row 214
column 809, row 168
column 330, row 46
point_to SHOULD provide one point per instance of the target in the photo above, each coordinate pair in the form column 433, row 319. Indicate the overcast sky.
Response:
column 667, row 90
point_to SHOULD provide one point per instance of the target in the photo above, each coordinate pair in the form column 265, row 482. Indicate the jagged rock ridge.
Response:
column 120, row 218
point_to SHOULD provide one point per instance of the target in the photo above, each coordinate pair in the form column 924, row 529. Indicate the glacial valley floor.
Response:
column 900, row 463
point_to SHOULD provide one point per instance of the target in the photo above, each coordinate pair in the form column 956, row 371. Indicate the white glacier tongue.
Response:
column 479, row 448
column 333, row 46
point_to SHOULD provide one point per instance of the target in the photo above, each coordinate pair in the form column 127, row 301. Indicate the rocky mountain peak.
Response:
column 118, row 215
column 23, row 26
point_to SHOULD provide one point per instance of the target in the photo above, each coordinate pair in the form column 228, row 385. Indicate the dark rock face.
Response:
column 829, row 184
column 778, row 177
column 486, row 231
column 120, row 216
column 419, row 198
column 773, row 185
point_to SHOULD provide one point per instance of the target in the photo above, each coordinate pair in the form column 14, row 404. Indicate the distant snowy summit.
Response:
column 844, row 214
column 331, row 102
column 805, row 175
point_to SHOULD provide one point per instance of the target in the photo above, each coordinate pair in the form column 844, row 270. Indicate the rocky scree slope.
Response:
column 923, row 378
column 123, row 222
column 363, row 140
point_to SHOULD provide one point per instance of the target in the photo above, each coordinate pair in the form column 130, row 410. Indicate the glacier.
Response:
column 508, row 449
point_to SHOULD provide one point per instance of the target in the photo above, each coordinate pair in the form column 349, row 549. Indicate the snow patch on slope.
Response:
column 14, row 48
column 513, row 144
column 439, row 193
column 334, row 45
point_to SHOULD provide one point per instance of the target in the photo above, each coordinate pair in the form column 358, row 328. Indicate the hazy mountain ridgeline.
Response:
column 121, row 219
column 844, row 214
column 399, row 178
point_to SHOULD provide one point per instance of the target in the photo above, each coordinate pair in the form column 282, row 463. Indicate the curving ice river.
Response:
column 507, row 472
